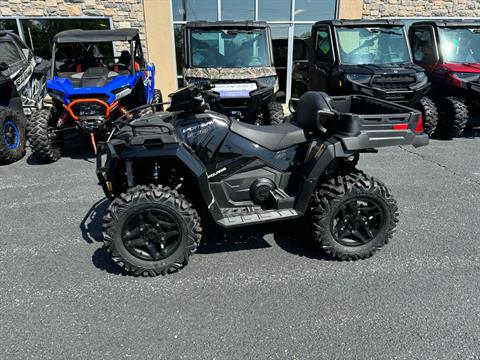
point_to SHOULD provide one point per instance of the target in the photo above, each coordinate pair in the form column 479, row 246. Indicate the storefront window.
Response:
column 301, row 41
column 280, row 52
column 238, row 9
column 178, row 34
column 188, row 10
column 274, row 10
column 40, row 31
column 314, row 10
column 8, row 24
column 290, row 24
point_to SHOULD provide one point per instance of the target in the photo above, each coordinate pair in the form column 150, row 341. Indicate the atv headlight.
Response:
column 267, row 81
column 471, row 77
column 359, row 78
column 57, row 95
column 200, row 82
column 121, row 92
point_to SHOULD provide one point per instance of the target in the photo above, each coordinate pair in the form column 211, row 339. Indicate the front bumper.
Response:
column 408, row 97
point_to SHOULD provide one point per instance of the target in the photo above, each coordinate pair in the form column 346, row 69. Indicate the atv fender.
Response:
column 167, row 151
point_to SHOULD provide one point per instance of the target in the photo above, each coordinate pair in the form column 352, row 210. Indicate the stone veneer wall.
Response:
column 386, row 8
column 124, row 13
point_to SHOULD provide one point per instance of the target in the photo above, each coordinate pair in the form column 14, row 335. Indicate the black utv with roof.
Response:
column 236, row 57
column 164, row 169
column 22, row 88
column 370, row 57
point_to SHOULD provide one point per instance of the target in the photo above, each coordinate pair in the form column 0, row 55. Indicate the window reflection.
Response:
column 187, row 10
column 314, row 10
column 238, row 9
column 274, row 10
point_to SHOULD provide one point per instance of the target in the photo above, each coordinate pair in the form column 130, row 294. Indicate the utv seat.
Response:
column 272, row 137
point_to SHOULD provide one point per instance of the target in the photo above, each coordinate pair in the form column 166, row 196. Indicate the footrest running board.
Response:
column 247, row 218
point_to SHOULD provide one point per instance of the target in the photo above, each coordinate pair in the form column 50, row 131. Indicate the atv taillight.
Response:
column 419, row 126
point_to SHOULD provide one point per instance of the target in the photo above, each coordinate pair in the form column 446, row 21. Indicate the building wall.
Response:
column 158, row 23
column 124, row 13
column 350, row 9
column 425, row 8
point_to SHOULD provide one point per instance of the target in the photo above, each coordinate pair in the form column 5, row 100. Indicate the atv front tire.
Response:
column 453, row 117
column 43, row 143
column 274, row 113
column 429, row 114
column 151, row 230
column 12, row 135
column 353, row 216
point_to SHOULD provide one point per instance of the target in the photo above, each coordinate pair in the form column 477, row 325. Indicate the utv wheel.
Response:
column 453, row 117
column 429, row 114
column 158, row 99
column 12, row 136
column 274, row 113
column 44, row 144
column 151, row 230
column 354, row 215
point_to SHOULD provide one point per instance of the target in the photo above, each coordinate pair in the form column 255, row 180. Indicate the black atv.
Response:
column 369, row 57
column 22, row 88
column 161, row 170
column 236, row 57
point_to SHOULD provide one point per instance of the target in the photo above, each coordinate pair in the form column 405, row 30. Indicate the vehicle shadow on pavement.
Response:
column 91, row 225
column 75, row 146
column 296, row 238
column 216, row 239
column 91, row 228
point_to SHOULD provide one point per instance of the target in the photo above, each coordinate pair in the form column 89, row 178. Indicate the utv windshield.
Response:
column 229, row 48
column 373, row 45
column 460, row 45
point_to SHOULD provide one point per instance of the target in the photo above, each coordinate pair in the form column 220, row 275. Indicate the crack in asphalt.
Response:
column 446, row 168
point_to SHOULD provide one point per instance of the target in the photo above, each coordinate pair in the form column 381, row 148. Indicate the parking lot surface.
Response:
column 266, row 294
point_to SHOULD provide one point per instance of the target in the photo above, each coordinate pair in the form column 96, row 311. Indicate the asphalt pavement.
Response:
column 265, row 294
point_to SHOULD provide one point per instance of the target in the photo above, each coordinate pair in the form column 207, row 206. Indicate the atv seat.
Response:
column 272, row 137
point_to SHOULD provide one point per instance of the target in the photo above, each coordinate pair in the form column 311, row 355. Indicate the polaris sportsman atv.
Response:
column 162, row 169
column 369, row 57
column 22, row 88
column 90, row 87
column 236, row 57
column 449, row 51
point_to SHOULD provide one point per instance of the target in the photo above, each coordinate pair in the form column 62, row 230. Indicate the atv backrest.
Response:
column 312, row 109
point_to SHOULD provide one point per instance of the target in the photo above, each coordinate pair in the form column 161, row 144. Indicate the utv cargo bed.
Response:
column 365, row 122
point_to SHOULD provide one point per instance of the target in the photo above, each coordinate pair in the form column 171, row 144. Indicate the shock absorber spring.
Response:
column 63, row 118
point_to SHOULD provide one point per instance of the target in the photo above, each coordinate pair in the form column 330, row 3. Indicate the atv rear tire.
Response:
column 453, row 117
column 353, row 215
column 429, row 114
column 44, row 144
column 151, row 230
column 12, row 135
column 274, row 113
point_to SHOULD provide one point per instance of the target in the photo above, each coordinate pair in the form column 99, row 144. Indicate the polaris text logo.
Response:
column 217, row 172
column 197, row 127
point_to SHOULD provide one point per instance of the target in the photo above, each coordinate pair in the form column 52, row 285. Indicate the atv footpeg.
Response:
column 281, row 199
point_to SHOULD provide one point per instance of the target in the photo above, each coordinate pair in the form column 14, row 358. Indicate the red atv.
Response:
column 449, row 50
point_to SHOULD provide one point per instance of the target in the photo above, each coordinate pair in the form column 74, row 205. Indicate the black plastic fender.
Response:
column 178, row 152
